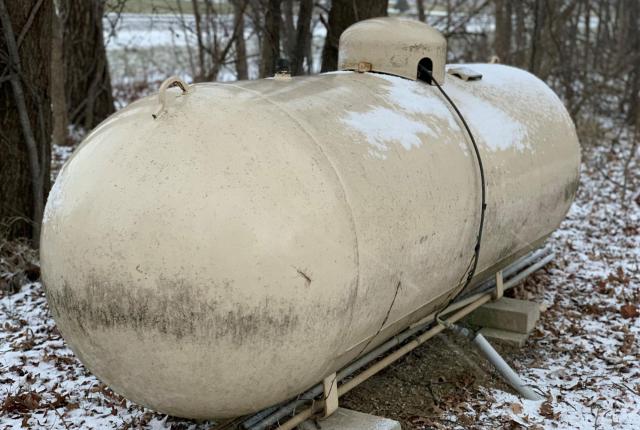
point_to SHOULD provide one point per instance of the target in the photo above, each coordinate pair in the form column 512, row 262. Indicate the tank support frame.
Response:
column 330, row 391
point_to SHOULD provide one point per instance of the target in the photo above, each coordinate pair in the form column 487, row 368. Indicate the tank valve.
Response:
column 283, row 70
column 173, row 81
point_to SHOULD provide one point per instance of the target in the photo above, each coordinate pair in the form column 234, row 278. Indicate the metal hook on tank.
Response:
column 172, row 81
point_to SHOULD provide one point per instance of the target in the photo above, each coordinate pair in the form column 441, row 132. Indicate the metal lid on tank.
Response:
column 393, row 45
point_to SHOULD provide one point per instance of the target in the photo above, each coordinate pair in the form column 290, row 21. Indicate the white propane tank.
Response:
column 217, row 249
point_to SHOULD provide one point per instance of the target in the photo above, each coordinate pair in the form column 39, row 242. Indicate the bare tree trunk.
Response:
column 343, row 13
column 308, row 52
column 502, row 40
column 535, row 39
column 303, row 36
column 288, row 29
column 25, row 122
column 421, row 15
column 242, row 70
column 58, row 96
column 198, row 20
column 520, row 36
column 88, row 83
column 270, row 38
column 587, row 36
column 633, row 39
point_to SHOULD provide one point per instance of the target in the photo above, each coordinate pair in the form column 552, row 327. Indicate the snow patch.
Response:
column 411, row 97
column 497, row 129
column 382, row 126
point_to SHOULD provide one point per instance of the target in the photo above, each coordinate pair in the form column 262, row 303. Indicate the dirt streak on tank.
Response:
column 252, row 238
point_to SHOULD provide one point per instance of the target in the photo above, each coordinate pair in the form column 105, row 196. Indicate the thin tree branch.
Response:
column 29, row 22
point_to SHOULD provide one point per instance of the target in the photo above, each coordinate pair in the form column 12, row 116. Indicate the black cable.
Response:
column 476, row 254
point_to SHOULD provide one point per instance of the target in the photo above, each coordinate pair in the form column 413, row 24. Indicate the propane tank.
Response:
column 218, row 248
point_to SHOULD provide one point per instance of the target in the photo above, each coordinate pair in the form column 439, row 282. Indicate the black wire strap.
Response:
column 473, row 264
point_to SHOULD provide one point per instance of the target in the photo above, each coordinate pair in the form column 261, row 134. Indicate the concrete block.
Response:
column 508, row 337
column 346, row 419
column 513, row 315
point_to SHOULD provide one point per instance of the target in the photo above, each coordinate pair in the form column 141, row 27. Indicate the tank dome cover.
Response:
column 394, row 46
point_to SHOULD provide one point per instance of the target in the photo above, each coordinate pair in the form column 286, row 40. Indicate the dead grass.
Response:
column 422, row 390
column 19, row 263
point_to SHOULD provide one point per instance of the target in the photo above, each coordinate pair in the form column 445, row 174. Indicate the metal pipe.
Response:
column 529, row 260
column 512, row 282
column 520, row 276
column 264, row 419
column 508, row 374
column 505, row 370
column 302, row 416
column 259, row 416
column 525, row 261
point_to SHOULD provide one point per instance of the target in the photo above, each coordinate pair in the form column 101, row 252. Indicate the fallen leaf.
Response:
column 516, row 408
column 628, row 343
column 420, row 421
column 629, row 310
column 32, row 272
column 21, row 403
column 546, row 410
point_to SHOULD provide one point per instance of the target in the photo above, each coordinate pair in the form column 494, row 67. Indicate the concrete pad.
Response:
column 508, row 337
column 346, row 419
column 513, row 315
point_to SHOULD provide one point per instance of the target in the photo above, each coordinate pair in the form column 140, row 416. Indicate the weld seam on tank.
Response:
column 532, row 262
column 339, row 179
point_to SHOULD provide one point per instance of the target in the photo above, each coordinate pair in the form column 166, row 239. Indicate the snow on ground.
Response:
column 148, row 30
column 42, row 384
column 587, row 359
column 151, row 47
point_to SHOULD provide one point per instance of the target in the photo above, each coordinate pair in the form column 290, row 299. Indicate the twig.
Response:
column 604, row 174
column 462, row 24
column 5, row 78
column 29, row 22
column 223, row 54
column 61, row 419
column 621, row 385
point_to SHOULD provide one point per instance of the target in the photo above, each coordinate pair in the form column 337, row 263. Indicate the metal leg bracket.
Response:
column 330, row 386
column 499, row 286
